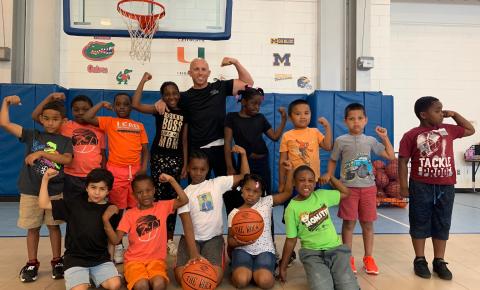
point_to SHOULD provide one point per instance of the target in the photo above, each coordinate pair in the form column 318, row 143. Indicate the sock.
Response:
column 55, row 260
column 33, row 262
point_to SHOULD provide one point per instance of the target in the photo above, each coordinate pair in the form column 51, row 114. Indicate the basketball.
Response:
column 381, row 179
column 199, row 275
column 378, row 164
column 247, row 225
column 392, row 169
column 393, row 189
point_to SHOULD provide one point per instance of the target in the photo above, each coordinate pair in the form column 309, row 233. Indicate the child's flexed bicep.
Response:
column 283, row 196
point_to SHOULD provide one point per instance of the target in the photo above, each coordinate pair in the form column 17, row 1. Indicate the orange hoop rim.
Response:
column 141, row 17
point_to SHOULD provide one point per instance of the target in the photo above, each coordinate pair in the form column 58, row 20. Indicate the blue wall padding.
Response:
column 329, row 104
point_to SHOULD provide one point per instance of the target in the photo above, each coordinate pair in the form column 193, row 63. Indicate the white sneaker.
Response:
column 118, row 254
column 172, row 248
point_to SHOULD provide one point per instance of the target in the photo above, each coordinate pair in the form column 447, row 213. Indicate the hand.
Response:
column 109, row 212
column 12, row 100
column 238, row 149
column 184, row 172
column 404, row 191
column 324, row 122
column 164, row 178
column 195, row 259
column 287, row 164
column 57, row 96
column 242, row 243
column 30, row 159
column 381, row 132
column 283, row 113
column 161, row 107
column 228, row 61
column 324, row 179
column 146, row 77
column 50, row 173
column 231, row 171
column 448, row 114
column 282, row 274
column 107, row 105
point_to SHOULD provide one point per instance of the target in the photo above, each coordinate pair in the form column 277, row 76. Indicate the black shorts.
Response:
column 430, row 210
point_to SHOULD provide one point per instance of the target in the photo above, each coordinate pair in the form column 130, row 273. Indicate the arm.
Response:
column 233, row 242
column 287, row 252
column 137, row 96
column 113, row 237
column 274, row 136
column 461, row 121
column 403, row 176
column 282, row 197
column 244, row 77
column 185, row 151
column 344, row 191
column 38, row 109
column 244, row 168
column 332, row 165
column 281, row 171
column 103, row 163
column 12, row 128
column 90, row 115
column 388, row 153
column 145, row 158
column 64, row 158
column 189, row 235
column 227, row 148
column 182, row 198
column 43, row 198
column 326, row 143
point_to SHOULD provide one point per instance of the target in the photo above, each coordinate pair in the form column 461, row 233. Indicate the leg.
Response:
column 439, row 247
column 105, row 275
column 113, row 283
column 367, row 214
column 241, row 277
column 182, row 259
column 318, row 273
column 368, row 235
column 420, row 214
column 242, row 265
column 263, row 269
column 33, row 236
column 347, row 232
column 338, row 260
column 214, row 251
column 419, row 247
column 77, row 278
column 142, row 284
column 264, row 278
column 348, row 212
column 55, row 240
column 158, row 283
column 81, row 287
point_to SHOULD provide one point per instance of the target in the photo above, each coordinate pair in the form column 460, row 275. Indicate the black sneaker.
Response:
column 420, row 266
column 440, row 267
column 29, row 272
column 292, row 259
column 57, row 269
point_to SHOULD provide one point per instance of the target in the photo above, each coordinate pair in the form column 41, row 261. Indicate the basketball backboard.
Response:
column 190, row 19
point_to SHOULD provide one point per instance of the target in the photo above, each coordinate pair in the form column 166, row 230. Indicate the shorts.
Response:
column 265, row 260
column 213, row 250
column 74, row 186
column 31, row 216
column 81, row 275
column 360, row 205
column 137, row 270
column 121, row 194
column 430, row 210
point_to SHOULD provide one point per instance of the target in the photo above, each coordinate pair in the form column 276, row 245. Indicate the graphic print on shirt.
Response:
column 170, row 134
column 302, row 151
column 205, row 201
column 433, row 161
column 360, row 166
column 147, row 227
column 312, row 220
column 84, row 140
column 128, row 127
column 41, row 165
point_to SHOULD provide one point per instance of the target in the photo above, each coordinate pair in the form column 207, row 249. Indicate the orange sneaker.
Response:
column 370, row 266
column 352, row 264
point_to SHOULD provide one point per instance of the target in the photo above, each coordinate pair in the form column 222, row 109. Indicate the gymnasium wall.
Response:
column 329, row 104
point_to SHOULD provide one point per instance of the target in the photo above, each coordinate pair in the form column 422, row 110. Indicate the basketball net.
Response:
column 141, row 27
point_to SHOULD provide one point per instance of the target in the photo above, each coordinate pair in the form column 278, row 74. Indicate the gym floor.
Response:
column 393, row 252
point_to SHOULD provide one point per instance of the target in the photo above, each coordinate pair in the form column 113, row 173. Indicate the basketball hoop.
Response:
column 141, row 27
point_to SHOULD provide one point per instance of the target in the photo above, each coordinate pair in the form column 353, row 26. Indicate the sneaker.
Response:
column 57, row 269
column 370, row 266
column 118, row 254
column 292, row 259
column 172, row 248
column 29, row 272
column 352, row 265
column 440, row 267
column 420, row 267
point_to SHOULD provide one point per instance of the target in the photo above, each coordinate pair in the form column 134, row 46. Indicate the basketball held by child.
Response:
column 199, row 275
column 247, row 225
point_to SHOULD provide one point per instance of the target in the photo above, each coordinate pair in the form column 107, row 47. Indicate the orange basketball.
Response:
column 247, row 225
column 199, row 275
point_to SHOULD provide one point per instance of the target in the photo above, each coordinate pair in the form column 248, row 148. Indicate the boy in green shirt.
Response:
column 325, row 259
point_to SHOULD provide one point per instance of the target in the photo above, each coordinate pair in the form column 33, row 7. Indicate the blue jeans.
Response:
column 265, row 260
column 329, row 269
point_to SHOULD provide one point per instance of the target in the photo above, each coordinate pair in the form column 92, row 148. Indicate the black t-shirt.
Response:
column 30, row 177
column 205, row 111
column 168, row 134
column 85, row 241
column 248, row 132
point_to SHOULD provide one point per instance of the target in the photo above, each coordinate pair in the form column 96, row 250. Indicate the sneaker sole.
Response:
column 28, row 281
column 424, row 276
column 57, row 278
column 372, row 272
